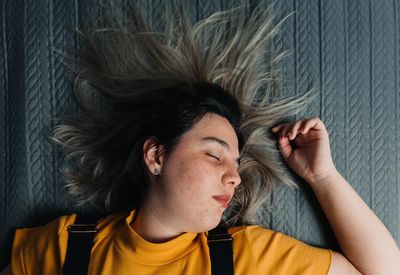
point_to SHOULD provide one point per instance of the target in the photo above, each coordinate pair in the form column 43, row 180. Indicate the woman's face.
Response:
column 203, row 165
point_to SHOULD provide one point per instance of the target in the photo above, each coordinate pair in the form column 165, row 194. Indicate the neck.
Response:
column 151, row 226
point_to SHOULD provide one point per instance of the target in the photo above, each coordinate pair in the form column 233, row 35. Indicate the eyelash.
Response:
column 214, row 157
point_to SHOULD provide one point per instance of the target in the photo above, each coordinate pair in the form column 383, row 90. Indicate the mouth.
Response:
column 223, row 200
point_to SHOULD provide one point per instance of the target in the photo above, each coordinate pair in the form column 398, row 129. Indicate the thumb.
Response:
column 285, row 147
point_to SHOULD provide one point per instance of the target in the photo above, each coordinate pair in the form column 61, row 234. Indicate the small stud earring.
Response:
column 156, row 172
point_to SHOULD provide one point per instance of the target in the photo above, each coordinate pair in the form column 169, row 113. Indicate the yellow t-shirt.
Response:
column 119, row 250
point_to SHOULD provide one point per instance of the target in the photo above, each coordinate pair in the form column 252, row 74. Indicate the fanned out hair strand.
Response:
column 123, row 58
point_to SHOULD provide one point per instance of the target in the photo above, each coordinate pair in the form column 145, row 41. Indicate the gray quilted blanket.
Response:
column 349, row 51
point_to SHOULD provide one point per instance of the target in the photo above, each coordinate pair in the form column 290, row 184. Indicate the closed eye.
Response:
column 213, row 156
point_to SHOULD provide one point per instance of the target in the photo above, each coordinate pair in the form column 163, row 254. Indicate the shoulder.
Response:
column 280, row 253
column 44, row 248
column 38, row 237
column 257, row 234
column 33, row 246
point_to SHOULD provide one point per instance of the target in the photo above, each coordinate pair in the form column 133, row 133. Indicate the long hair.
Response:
column 125, row 59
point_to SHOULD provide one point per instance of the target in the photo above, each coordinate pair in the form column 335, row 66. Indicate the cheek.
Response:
column 191, row 180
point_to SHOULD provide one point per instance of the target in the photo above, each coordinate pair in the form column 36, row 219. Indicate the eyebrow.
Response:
column 221, row 142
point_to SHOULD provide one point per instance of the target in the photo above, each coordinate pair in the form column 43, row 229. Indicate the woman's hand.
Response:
column 353, row 222
column 311, row 159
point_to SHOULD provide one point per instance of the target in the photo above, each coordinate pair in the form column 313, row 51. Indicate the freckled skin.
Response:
column 182, row 197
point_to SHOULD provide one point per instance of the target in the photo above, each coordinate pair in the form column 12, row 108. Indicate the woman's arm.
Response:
column 363, row 238
column 365, row 241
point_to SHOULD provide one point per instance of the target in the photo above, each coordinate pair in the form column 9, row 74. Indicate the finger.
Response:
column 285, row 130
column 285, row 147
column 303, row 129
column 281, row 130
column 314, row 123
column 277, row 128
column 295, row 129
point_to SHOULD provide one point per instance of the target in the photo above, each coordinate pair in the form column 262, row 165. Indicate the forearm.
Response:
column 364, row 239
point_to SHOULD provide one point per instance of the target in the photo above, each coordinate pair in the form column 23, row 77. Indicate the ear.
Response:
column 153, row 155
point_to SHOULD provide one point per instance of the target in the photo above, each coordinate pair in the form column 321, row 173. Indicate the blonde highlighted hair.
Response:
column 125, row 59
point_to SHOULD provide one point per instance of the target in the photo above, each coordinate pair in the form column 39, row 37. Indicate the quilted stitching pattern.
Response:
column 349, row 51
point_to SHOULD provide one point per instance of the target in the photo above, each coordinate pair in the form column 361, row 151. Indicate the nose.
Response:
column 232, row 177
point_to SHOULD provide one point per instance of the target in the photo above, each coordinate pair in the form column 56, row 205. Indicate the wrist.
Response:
column 321, row 182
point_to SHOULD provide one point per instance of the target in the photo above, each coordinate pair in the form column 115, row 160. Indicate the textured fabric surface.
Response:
column 349, row 51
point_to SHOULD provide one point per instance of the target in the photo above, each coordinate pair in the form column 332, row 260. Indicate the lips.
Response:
column 223, row 200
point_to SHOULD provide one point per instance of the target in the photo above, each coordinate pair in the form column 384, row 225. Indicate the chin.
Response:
column 204, row 220
column 211, row 224
column 206, row 225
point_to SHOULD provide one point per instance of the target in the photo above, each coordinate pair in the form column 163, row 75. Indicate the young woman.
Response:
column 184, row 141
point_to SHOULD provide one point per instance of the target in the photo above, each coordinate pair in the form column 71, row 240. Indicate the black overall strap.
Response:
column 221, row 253
column 82, row 232
column 80, row 242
